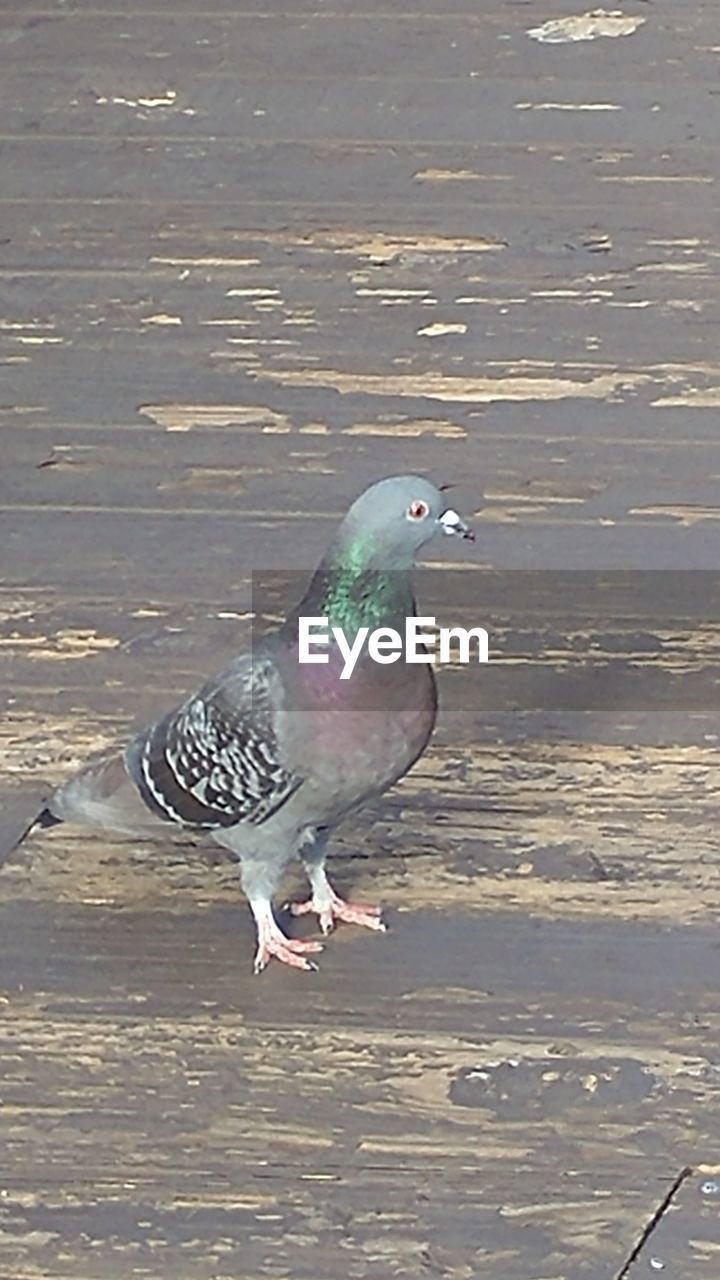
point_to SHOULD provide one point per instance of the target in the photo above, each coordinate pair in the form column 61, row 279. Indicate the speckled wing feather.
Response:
column 215, row 761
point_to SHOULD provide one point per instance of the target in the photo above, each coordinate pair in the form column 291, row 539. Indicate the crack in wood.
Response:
column 653, row 1222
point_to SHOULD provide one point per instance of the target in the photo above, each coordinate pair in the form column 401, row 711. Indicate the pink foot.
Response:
column 333, row 908
column 273, row 942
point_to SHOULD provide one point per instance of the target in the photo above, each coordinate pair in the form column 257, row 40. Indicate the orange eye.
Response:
column 417, row 510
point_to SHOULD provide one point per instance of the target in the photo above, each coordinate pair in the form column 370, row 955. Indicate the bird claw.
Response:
column 337, row 908
column 272, row 942
column 291, row 951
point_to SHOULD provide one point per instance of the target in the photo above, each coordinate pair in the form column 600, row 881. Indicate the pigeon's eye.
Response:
column 418, row 510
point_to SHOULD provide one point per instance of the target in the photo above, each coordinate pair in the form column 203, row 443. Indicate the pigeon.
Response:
column 270, row 754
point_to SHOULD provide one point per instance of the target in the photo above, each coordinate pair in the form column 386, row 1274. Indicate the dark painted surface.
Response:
column 250, row 260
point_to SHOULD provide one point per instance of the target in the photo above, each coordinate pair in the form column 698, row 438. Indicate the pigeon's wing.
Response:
column 216, row 760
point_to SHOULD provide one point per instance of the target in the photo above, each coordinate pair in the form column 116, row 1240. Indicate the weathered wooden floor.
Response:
column 251, row 259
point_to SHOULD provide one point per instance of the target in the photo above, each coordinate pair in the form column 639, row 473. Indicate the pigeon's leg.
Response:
column 259, row 877
column 273, row 942
column 327, row 905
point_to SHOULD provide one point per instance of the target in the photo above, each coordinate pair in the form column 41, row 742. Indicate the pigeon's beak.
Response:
column 451, row 523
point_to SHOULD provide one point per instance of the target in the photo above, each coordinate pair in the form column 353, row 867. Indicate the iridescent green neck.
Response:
column 365, row 599
column 353, row 590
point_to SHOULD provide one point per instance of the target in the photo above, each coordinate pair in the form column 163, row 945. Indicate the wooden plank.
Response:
column 382, row 108
column 246, row 173
column 422, row 1131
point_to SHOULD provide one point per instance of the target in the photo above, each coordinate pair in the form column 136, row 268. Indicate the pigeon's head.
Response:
column 394, row 518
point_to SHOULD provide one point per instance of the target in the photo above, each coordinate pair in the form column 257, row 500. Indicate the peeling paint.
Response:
column 252, row 293
column 437, row 386
column 440, row 330
column 443, row 430
column 162, row 319
column 586, row 26
column 186, row 417
column 687, row 514
column 693, row 398
column 385, row 248
column 204, row 260
column 459, row 175
column 32, row 341
column 668, row 178
column 567, row 106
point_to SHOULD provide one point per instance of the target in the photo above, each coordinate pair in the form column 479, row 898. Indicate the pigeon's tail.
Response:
column 47, row 819
column 21, row 812
column 104, row 795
